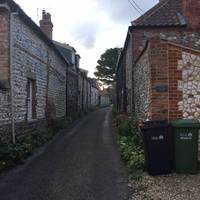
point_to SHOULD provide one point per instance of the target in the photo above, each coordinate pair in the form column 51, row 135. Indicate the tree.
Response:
column 106, row 68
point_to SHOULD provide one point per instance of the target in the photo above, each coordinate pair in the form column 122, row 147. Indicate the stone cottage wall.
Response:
column 129, row 65
column 89, row 94
column 57, row 83
column 86, row 92
column 121, row 85
column 80, row 96
column 83, row 93
column 72, row 93
column 184, row 69
column 29, row 59
column 92, row 96
column 182, row 36
column 142, row 85
column 189, row 64
column 32, row 59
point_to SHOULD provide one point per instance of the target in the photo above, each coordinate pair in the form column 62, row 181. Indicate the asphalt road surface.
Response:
column 82, row 163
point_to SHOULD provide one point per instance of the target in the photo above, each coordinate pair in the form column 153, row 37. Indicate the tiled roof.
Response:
column 165, row 13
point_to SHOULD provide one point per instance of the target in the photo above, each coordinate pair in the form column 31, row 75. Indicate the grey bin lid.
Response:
column 190, row 123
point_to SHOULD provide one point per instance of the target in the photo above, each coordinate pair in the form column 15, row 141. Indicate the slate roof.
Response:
column 65, row 50
column 165, row 13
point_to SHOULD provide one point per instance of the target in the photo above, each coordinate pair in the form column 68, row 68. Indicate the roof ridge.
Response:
column 152, row 11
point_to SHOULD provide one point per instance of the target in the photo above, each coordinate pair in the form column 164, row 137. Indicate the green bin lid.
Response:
column 186, row 123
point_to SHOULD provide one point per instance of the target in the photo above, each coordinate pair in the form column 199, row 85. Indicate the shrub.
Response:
column 131, row 153
column 130, row 141
column 12, row 154
column 114, row 111
column 126, row 125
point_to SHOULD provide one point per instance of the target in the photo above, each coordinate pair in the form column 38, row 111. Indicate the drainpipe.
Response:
column 11, row 79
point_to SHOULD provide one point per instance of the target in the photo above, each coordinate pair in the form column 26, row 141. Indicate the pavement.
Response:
column 82, row 163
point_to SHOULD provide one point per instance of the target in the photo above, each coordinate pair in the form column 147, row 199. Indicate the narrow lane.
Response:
column 81, row 164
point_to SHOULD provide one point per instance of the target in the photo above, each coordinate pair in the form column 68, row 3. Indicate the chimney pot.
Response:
column 46, row 24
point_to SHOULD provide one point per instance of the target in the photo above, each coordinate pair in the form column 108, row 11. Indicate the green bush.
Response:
column 12, row 154
column 131, row 152
column 126, row 125
column 130, row 141
column 114, row 111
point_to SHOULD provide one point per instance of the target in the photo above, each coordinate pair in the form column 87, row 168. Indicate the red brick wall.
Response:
column 4, row 45
column 159, row 78
column 174, row 54
column 164, row 72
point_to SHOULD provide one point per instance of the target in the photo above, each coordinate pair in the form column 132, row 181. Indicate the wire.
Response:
column 135, row 7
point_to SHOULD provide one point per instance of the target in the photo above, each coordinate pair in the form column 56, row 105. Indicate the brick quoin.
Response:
column 159, row 77
column 175, row 75
column 4, row 44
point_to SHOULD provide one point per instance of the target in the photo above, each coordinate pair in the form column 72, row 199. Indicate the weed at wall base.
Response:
column 130, row 142
column 13, row 154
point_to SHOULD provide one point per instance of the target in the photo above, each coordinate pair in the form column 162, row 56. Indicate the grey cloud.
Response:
column 86, row 33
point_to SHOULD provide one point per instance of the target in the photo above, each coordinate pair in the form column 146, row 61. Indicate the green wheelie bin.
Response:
column 186, row 146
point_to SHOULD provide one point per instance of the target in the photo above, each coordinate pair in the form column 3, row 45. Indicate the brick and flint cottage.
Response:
column 39, row 77
column 33, row 73
column 158, row 74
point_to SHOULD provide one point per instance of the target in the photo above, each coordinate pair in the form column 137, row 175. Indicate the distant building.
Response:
column 104, row 99
column 72, row 76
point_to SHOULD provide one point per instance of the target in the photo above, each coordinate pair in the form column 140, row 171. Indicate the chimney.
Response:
column 77, row 57
column 192, row 13
column 46, row 24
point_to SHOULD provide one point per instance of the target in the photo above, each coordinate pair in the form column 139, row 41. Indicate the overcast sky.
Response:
column 90, row 26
